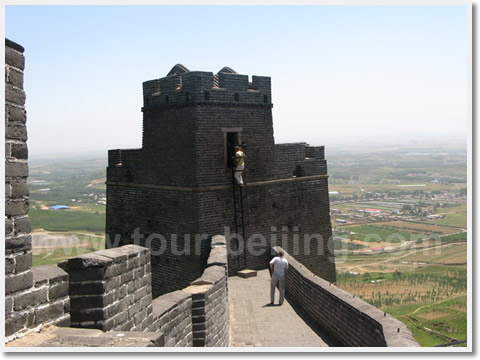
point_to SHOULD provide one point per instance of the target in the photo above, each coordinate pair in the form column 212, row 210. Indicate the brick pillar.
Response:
column 111, row 289
column 34, row 297
column 18, row 241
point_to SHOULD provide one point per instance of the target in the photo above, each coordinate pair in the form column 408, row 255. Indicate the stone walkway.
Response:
column 254, row 322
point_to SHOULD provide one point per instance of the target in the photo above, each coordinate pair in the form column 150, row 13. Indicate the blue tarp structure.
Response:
column 59, row 207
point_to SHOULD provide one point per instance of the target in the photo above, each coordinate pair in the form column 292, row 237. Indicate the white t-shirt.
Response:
column 279, row 265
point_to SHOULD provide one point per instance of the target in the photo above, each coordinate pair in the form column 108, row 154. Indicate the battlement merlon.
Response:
column 206, row 87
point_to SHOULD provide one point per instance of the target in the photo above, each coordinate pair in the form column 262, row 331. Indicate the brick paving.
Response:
column 254, row 322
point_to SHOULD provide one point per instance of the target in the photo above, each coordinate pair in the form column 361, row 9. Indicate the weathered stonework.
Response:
column 111, row 289
column 210, row 309
column 172, row 315
column 179, row 182
column 34, row 297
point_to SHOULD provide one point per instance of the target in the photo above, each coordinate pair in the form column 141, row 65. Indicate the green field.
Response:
column 371, row 233
column 433, row 299
column 454, row 237
column 445, row 320
column 345, row 245
column 67, row 220
column 53, row 255
column 458, row 219
column 451, row 255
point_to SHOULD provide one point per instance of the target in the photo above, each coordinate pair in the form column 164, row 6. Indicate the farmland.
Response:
column 78, row 183
column 53, row 247
column 67, row 220
column 400, row 224
column 424, row 228
column 427, row 289
column 399, row 218
column 368, row 233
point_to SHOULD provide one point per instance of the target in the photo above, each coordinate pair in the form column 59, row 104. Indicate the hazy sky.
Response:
column 338, row 72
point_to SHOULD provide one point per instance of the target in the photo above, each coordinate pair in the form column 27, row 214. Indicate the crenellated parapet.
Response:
column 299, row 160
column 183, row 87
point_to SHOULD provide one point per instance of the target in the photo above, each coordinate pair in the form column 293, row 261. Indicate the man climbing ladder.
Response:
column 239, row 163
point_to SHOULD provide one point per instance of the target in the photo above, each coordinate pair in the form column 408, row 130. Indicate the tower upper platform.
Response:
column 182, row 86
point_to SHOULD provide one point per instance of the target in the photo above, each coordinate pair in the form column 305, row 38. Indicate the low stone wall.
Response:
column 172, row 315
column 45, row 303
column 197, row 315
column 111, row 289
column 210, row 314
column 348, row 319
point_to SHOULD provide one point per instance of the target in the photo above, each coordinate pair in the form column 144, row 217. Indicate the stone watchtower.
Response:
column 177, row 191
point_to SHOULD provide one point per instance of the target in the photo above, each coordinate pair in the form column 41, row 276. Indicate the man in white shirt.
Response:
column 239, row 163
column 279, row 266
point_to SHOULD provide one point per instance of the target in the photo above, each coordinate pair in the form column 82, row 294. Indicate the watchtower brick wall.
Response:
column 179, row 184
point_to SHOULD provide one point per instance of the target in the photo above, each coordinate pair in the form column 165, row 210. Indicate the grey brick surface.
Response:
column 14, row 283
column 19, row 189
column 109, row 294
column 30, row 299
column 16, row 114
column 23, row 226
column 86, row 261
column 8, row 226
column 58, row 290
column 16, row 244
column 15, row 96
column 14, row 56
column 19, row 151
column 51, row 311
column 9, row 265
column 16, row 207
column 51, row 273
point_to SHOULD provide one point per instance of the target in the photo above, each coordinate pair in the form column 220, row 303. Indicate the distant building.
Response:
column 59, row 207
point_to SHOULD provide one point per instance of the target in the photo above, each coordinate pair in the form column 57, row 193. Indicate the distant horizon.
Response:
column 419, row 142
column 338, row 72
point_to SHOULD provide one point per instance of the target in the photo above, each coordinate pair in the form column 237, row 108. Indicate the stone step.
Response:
column 247, row 273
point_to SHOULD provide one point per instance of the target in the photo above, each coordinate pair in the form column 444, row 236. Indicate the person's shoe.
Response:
column 271, row 303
